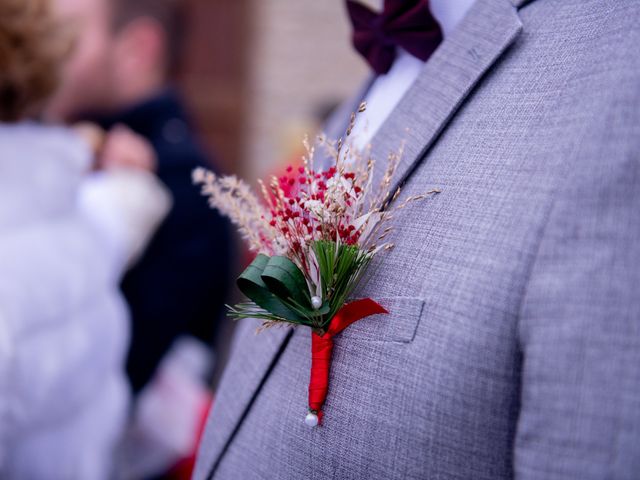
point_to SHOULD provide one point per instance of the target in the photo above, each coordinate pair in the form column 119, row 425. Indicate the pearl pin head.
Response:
column 311, row 420
column 316, row 302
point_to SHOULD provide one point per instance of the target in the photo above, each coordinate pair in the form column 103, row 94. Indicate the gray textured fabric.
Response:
column 512, row 349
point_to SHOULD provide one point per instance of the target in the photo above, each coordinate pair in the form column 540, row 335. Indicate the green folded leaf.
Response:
column 284, row 279
column 251, row 284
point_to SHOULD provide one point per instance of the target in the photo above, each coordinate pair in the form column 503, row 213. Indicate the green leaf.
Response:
column 325, row 254
column 284, row 279
column 340, row 268
column 251, row 284
column 251, row 310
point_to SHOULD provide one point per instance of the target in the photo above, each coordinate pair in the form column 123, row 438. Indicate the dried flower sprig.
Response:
column 315, row 231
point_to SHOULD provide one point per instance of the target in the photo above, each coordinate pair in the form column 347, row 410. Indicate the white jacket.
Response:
column 63, row 322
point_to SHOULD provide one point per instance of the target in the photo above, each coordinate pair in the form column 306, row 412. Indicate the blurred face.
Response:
column 87, row 83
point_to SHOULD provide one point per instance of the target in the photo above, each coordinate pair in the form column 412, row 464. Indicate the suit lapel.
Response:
column 447, row 79
column 244, row 377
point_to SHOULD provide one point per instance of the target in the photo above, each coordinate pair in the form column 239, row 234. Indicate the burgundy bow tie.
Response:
column 402, row 23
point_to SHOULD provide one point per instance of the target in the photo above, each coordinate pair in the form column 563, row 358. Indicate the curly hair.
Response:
column 33, row 46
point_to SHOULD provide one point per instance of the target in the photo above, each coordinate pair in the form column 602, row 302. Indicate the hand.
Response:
column 124, row 148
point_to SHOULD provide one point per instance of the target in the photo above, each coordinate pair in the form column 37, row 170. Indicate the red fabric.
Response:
column 322, row 348
column 184, row 468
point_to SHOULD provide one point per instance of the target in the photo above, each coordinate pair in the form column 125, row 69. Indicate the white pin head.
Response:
column 316, row 302
column 311, row 420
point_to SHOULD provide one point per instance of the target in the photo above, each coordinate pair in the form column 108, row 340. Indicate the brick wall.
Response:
column 301, row 58
column 214, row 74
column 255, row 71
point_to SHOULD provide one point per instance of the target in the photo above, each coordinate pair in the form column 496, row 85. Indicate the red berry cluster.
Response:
column 292, row 219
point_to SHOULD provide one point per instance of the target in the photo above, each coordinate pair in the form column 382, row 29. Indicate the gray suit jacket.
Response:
column 512, row 349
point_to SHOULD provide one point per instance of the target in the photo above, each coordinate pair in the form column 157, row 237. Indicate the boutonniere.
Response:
column 314, row 232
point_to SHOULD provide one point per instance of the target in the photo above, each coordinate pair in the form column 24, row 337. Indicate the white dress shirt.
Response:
column 388, row 89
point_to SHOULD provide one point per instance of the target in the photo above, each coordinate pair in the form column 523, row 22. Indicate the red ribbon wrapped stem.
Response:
column 322, row 348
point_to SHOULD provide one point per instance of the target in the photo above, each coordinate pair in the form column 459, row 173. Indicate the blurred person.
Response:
column 119, row 73
column 66, row 237
column 512, row 343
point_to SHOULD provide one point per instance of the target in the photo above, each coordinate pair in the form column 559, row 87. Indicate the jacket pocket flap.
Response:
column 399, row 325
